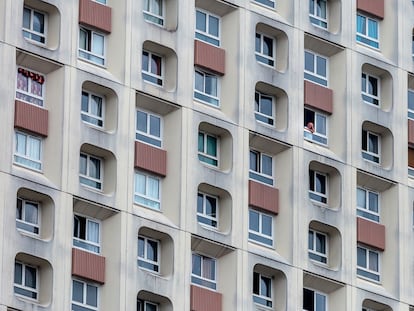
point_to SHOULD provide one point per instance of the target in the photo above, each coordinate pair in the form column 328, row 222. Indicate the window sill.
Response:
column 28, row 168
column 30, row 235
column 87, row 61
column 267, row 246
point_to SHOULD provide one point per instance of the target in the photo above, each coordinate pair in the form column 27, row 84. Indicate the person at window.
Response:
column 308, row 130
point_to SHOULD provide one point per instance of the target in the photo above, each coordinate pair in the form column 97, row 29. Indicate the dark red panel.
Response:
column 318, row 97
column 263, row 197
column 88, row 265
column 371, row 233
column 203, row 299
column 94, row 14
column 373, row 7
column 31, row 118
column 150, row 158
column 209, row 57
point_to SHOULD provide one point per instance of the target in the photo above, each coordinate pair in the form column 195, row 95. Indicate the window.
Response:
column 30, row 87
column 371, row 146
column 148, row 128
column 152, row 68
column 203, row 271
column 148, row 250
column 208, row 148
column 147, row 190
column 318, row 13
column 28, row 151
column 100, row 1
column 146, row 306
column 269, row 3
column 207, row 27
column 91, row 46
column 260, row 227
column 368, row 263
column 207, row 210
column 92, row 109
column 261, row 167
column 262, row 290
column 367, row 31
column 34, row 25
column 90, row 171
column 314, row 301
column 318, row 186
column 27, row 216
column 265, row 48
column 264, row 108
column 206, row 87
column 25, row 280
column 370, row 89
column 315, row 128
column 316, row 68
column 153, row 11
column 317, row 246
column 411, row 104
column 84, row 296
column 368, row 204
column 86, row 233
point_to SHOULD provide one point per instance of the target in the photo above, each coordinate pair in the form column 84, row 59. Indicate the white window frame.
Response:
column 21, row 224
column 259, row 176
column 37, row 163
column 203, row 215
column 266, row 3
column 202, row 280
column 205, row 36
column 155, row 202
column 256, row 236
column 376, row 275
column 366, row 212
column 260, row 116
column 146, row 137
column 98, row 181
column 313, row 76
column 365, row 93
column 410, row 111
column 151, row 16
column 83, row 304
column 258, row 299
column 89, row 115
column 30, row 30
column 87, row 54
column 314, row 254
column 316, row 136
column 145, row 260
column 365, row 36
column 315, row 292
column 316, row 19
column 27, row 96
column 147, row 75
column 23, row 286
column 322, row 197
column 262, row 58
column 202, row 95
column 369, row 153
column 142, row 305
column 86, row 244
column 203, row 156
column 103, row 2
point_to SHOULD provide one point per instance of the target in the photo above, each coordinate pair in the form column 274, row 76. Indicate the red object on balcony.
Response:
column 88, row 265
column 31, row 118
column 263, row 197
column 371, row 233
column 150, row 158
column 318, row 97
column 94, row 14
column 203, row 299
column 209, row 57
column 373, row 7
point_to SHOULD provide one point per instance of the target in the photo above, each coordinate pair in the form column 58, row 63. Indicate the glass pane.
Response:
column 310, row 240
column 361, row 198
column 85, row 101
column 321, row 8
column 38, row 22
column 97, row 44
column 152, row 250
column 266, row 105
column 150, row 307
column 361, row 27
column 145, row 61
column 308, row 299
column 309, row 62
column 82, row 164
column 267, row 165
column 373, row 201
column 26, row 18
column 33, row 148
column 213, row 25
column 209, row 268
column 373, row 261
column 265, row 287
column 93, row 231
column 258, row 45
column 373, row 143
column 20, row 143
column 267, row 225
column 268, row 46
column 320, row 243
column 153, row 188
column 361, row 257
column 19, row 211
column 77, row 291
column 156, row 65
column 320, row 183
column 94, row 168
column 253, row 161
column 142, row 121
column 320, row 124
column 211, row 85
column 372, row 29
column 253, row 220
column 18, row 274
column 30, row 277
column 140, row 183
column 364, row 82
column 373, row 86
column 411, row 99
column 211, row 146
column 141, row 247
column 155, row 126
column 321, row 66
column 210, row 206
column 256, row 281
column 199, row 81
column 201, row 21
column 196, row 265
column 83, row 40
column 320, row 302
column 96, row 105
column 91, row 295
column 311, row 6
column 31, row 213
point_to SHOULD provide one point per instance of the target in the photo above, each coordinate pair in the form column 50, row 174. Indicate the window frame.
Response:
column 25, row 157
column 314, row 254
column 83, row 304
column 314, row 195
column 89, row 115
column 147, row 137
column 150, row 16
column 145, row 196
column 364, row 38
column 316, row 19
column 262, row 58
column 30, row 31
column 316, row 136
column 367, row 154
column 146, row 73
column 23, row 286
column 313, row 76
column 203, row 217
column 34, row 99
column 410, row 113
column 142, row 305
column 203, row 155
column 368, row 97
column 202, row 280
column 259, row 115
column 259, row 176
column 205, row 36
column 258, row 298
column 366, row 272
column 316, row 292
column 366, row 212
column 145, row 261
column 86, row 244
column 87, row 54
column 266, row 3
column 99, row 181
column 202, row 95
column 21, row 223
column 256, row 236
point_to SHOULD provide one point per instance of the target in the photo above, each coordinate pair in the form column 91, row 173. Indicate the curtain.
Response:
column 33, row 148
column 93, row 231
column 361, row 28
column 153, row 189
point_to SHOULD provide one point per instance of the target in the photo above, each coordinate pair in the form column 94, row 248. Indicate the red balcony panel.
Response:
column 94, row 14
column 209, row 57
column 88, row 266
column 31, row 118
column 373, row 7
column 410, row 157
column 150, row 158
column 318, row 97
column 371, row 233
column 411, row 132
column 263, row 197
column 203, row 299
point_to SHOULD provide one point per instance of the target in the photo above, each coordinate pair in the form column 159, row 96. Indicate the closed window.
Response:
column 91, row 46
column 316, row 68
column 148, row 128
column 100, row 1
column 146, row 306
column 370, row 89
column 27, row 216
column 84, row 296
column 265, row 49
column 86, row 233
column 28, row 151
column 90, row 171
column 26, row 280
column 315, row 128
column 261, row 167
column 147, row 190
column 262, row 290
column 317, row 246
column 367, row 31
column 92, row 109
column 207, row 27
column 203, row 271
column 152, row 68
column 154, row 11
column 318, row 190
column 314, row 300
column 207, row 210
column 318, row 13
column 208, row 148
column 368, row 204
column 371, row 146
column 30, row 87
column 34, row 25
column 368, row 263
column 260, row 227
column 411, row 104
column 269, row 3
column 148, row 250
column 264, row 109
column 206, row 87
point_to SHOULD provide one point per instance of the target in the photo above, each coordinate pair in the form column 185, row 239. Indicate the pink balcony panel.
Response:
column 94, row 14
column 373, row 7
column 318, row 97
column 371, row 233
column 31, row 118
column 411, row 132
column 263, row 197
column 203, row 299
column 209, row 57
column 88, row 266
column 151, row 159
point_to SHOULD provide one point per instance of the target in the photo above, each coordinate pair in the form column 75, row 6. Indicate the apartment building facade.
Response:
column 163, row 155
